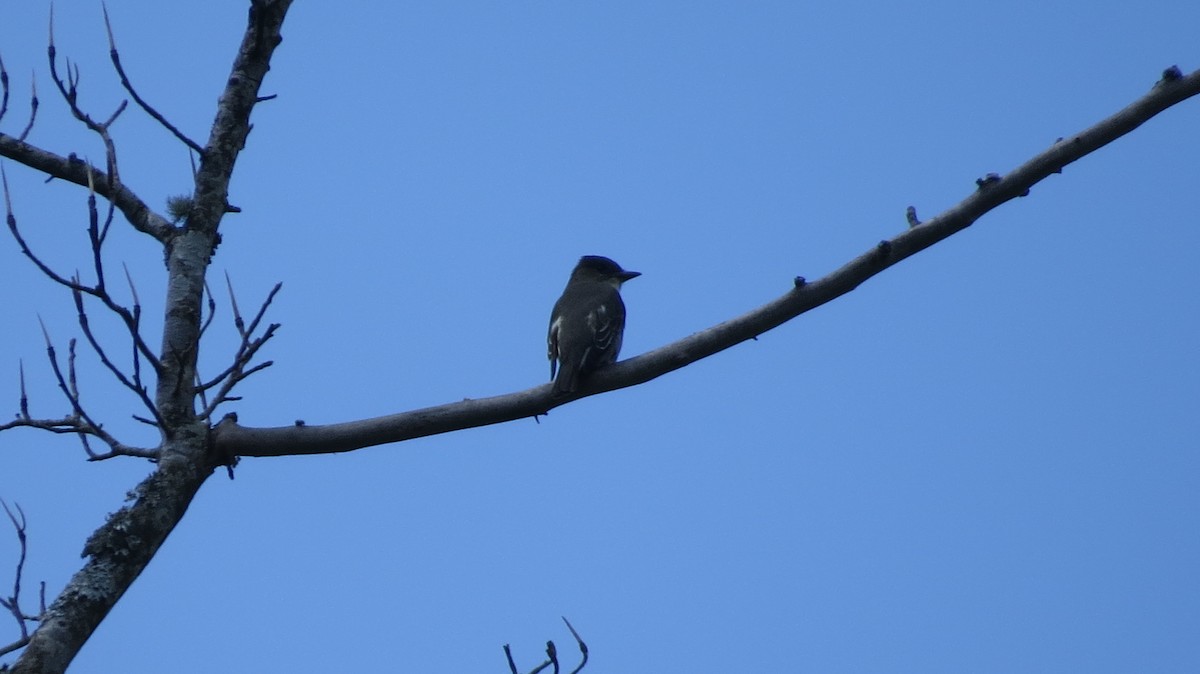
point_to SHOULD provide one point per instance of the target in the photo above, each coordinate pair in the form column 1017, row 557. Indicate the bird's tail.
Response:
column 567, row 380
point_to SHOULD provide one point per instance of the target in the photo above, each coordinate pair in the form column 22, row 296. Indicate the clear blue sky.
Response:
column 986, row 459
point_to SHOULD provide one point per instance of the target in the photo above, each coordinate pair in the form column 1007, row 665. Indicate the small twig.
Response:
column 11, row 220
column 94, row 233
column 212, row 309
column 135, row 385
column 582, row 646
column 33, row 108
column 132, row 319
column 512, row 666
column 116, row 60
column 79, row 421
column 144, row 420
column 24, row 397
column 239, row 369
column 70, row 94
column 237, row 315
column 551, row 655
column 263, row 309
column 3, row 89
column 13, row 602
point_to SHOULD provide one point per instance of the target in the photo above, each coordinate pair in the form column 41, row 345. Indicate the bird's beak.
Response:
column 626, row 275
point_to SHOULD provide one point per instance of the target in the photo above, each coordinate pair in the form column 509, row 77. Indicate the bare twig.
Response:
column 136, row 385
column 70, row 94
column 24, row 397
column 240, row 368
column 116, row 60
column 582, row 646
column 131, row 319
column 12, row 603
column 4, row 92
column 212, row 309
column 78, row 422
column 512, row 665
column 3, row 89
column 33, row 108
column 551, row 655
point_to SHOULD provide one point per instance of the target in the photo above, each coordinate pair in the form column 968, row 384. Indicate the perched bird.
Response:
column 588, row 322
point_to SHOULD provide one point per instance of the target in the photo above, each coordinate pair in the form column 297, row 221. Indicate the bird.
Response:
column 587, row 323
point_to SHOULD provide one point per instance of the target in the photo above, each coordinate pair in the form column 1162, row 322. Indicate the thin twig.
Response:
column 582, row 646
column 212, row 309
column 136, row 386
column 79, row 421
column 132, row 319
column 13, row 602
column 3, row 89
column 94, row 234
column 33, row 108
column 239, row 369
column 70, row 94
column 116, row 60
column 551, row 655
column 24, row 396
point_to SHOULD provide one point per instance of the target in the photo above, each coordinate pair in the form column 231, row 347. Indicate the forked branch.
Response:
column 131, row 318
column 12, row 603
column 241, row 367
column 77, row 421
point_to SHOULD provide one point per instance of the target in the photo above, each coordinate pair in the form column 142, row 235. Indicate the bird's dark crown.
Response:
column 604, row 267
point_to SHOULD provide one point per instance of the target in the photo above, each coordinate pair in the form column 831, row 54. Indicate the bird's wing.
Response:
column 607, row 323
column 552, row 346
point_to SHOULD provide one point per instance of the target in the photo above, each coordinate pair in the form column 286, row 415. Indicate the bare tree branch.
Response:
column 551, row 655
column 70, row 94
column 121, row 548
column 247, row 349
column 12, row 603
column 72, row 169
column 75, row 170
column 3, row 89
column 78, row 421
column 231, row 439
column 33, row 101
column 131, row 319
column 149, row 110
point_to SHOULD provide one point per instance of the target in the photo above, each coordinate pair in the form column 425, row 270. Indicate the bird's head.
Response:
column 602, row 268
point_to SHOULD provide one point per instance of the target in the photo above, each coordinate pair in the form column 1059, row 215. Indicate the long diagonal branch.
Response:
column 231, row 439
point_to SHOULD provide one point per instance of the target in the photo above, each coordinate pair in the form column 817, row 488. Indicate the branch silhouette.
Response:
column 231, row 439
column 118, row 552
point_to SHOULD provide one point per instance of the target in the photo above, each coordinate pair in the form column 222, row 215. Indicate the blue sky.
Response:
column 983, row 460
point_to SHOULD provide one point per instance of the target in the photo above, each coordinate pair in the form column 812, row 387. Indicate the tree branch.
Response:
column 71, row 168
column 230, row 439
column 75, row 170
column 122, row 547
column 551, row 655
column 146, row 107
column 12, row 603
